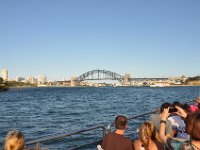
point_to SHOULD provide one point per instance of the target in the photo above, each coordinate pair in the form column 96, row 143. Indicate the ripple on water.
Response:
column 40, row 112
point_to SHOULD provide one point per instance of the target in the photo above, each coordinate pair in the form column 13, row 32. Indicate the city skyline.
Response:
column 43, row 78
column 64, row 39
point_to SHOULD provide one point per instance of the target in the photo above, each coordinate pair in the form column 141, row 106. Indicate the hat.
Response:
column 197, row 99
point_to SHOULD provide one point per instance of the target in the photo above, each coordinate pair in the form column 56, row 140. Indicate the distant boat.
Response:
column 157, row 85
column 42, row 85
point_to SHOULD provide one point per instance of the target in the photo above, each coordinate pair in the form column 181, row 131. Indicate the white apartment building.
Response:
column 42, row 79
column 4, row 74
column 32, row 80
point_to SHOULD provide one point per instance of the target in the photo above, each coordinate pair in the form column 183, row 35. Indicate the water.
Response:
column 39, row 112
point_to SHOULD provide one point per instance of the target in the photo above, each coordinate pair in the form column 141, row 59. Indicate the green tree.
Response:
column 1, row 80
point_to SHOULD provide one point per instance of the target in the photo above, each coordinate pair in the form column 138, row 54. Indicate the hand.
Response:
column 181, row 112
column 165, row 114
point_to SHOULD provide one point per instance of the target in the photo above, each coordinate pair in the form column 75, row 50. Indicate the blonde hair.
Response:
column 14, row 140
column 148, row 132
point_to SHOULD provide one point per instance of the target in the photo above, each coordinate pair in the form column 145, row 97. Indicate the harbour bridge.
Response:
column 100, row 74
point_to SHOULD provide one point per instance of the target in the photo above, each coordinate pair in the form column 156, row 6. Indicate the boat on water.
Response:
column 157, row 85
column 160, row 85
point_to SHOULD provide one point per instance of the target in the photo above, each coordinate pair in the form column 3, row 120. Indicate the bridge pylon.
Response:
column 74, row 81
column 127, row 79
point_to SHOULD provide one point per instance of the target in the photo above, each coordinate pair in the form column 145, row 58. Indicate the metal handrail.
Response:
column 105, row 130
column 38, row 141
column 64, row 135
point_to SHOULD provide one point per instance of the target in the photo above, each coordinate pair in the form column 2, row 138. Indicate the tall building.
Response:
column 42, row 79
column 32, row 80
column 4, row 74
column 20, row 79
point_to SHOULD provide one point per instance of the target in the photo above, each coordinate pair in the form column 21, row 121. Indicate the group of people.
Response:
column 175, row 127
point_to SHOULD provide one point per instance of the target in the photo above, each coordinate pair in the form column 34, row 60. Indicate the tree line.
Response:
column 5, row 85
column 193, row 79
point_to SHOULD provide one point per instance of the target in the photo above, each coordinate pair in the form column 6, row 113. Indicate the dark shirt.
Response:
column 113, row 141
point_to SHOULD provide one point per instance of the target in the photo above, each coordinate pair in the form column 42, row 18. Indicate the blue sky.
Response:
column 66, row 38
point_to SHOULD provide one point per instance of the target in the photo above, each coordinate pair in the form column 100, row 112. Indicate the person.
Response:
column 116, row 140
column 192, row 128
column 149, row 138
column 155, row 119
column 194, row 107
column 178, row 124
column 14, row 140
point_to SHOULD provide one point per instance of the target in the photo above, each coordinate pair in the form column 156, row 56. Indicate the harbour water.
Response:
column 40, row 112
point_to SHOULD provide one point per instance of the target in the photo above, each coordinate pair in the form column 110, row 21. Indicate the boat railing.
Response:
column 105, row 130
column 37, row 142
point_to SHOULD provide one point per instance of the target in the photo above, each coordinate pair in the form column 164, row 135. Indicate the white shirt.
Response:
column 179, row 125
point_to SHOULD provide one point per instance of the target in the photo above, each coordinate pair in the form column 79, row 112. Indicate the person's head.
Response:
column 14, row 140
column 186, row 107
column 121, row 122
column 177, row 104
column 147, row 133
column 193, row 125
column 164, row 105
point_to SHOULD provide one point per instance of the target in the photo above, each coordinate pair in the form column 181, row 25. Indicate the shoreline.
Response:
column 23, row 87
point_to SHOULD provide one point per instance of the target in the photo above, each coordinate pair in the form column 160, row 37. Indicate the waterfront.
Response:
column 39, row 112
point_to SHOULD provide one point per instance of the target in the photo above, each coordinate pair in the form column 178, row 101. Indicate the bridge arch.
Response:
column 100, row 74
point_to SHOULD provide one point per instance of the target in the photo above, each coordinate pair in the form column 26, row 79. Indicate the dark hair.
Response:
column 121, row 122
column 177, row 104
column 186, row 107
column 164, row 105
column 193, row 125
column 199, row 106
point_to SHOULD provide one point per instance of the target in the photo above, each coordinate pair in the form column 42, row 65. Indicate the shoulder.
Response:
column 107, row 136
column 106, row 140
column 171, row 118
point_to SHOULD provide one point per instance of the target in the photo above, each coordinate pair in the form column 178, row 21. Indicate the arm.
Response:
column 137, row 144
column 164, row 117
column 181, row 112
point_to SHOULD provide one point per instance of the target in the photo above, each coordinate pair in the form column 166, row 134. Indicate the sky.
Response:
column 66, row 38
